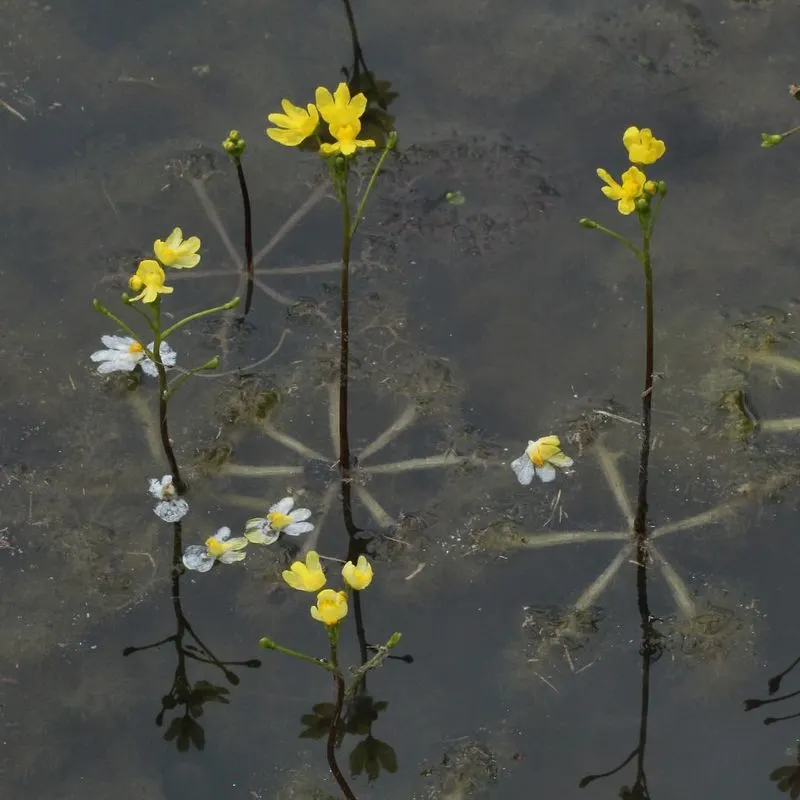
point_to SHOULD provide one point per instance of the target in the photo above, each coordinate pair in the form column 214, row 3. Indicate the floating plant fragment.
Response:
column 541, row 458
column 172, row 507
column 280, row 519
column 219, row 547
column 124, row 354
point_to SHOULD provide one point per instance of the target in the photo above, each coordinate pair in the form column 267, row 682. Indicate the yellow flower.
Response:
column 338, row 109
column 346, row 140
column 642, row 147
column 540, row 458
column 628, row 192
column 176, row 251
column 331, row 607
column 149, row 281
column 359, row 575
column 307, row 577
column 294, row 125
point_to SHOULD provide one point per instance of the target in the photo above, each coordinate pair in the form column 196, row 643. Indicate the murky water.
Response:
column 476, row 326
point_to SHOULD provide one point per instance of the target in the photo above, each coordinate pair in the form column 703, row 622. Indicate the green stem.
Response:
column 391, row 141
column 319, row 662
column 197, row 315
column 620, row 238
column 176, row 384
column 114, row 318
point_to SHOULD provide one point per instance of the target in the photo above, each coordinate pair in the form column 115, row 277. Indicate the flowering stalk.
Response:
column 339, row 169
column 234, row 145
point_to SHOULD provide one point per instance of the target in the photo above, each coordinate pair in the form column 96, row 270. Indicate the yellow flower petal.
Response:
column 331, row 607
column 359, row 575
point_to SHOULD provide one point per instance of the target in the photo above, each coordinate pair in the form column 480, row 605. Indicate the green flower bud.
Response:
column 234, row 144
column 587, row 223
column 771, row 139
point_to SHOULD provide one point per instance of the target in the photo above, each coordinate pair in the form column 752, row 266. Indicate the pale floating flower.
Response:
column 171, row 507
column 540, row 458
column 219, row 547
column 280, row 519
column 123, row 354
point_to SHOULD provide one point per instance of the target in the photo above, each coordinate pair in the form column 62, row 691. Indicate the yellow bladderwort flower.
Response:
column 294, row 125
column 331, row 607
column 346, row 140
column 359, row 575
column 339, row 109
column 626, row 193
column 307, row 577
column 642, row 146
column 540, row 458
column 176, row 251
column 149, row 281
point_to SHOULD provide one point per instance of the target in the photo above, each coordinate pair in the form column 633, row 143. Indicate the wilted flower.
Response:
column 338, row 109
column 219, row 547
column 359, row 575
column 279, row 519
column 627, row 193
column 176, row 251
column 331, row 607
column 540, row 458
column 124, row 353
column 347, row 141
column 171, row 507
column 294, row 125
column 642, row 146
column 149, row 281
column 307, row 577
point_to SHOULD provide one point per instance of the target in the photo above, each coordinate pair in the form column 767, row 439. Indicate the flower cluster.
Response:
column 643, row 148
column 175, row 252
column 261, row 530
column 308, row 576
column 339, row 110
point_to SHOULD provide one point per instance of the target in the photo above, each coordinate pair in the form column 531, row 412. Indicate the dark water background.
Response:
column 501, row 317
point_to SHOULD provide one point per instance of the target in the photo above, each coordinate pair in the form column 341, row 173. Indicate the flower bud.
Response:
column 587, row 223
column 771, row 139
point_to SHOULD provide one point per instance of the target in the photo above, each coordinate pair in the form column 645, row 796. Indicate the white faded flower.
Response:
column 540, row 458
column 172, row 507
column 123, row 354
column 219, row 547
column 280, row 519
